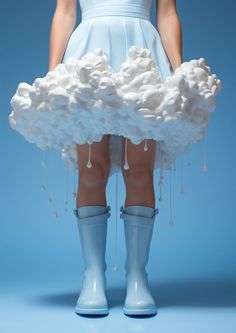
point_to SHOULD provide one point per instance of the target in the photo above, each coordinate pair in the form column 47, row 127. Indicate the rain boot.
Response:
column 138, row 228
column 92, row 225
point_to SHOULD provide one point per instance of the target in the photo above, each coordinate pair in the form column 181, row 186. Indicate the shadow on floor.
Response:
column 185, row 293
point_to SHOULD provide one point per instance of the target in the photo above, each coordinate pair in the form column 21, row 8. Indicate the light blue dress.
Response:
column 114, row 26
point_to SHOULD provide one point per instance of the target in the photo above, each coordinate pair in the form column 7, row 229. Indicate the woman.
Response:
column 154, row 97
column 91, row 196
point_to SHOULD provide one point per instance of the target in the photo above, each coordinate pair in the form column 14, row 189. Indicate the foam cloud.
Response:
column 81, row 100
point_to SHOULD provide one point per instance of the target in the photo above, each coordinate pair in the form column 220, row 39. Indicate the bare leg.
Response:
column 92, row 223
column 139, row 177
column 92, row 181
column 139, row 217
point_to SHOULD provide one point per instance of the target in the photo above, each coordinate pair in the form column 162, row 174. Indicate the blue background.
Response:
column 191, row 266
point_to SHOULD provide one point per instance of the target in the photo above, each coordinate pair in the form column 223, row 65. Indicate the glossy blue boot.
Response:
column 138, row 228
column 92, row 225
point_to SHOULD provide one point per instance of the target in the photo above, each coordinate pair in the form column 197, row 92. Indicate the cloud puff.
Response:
column 81, row 100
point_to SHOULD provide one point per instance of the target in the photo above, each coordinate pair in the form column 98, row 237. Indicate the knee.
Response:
column 94, row 177
column 138, row 177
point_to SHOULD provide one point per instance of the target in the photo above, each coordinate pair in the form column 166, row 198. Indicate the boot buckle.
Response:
column 75, row 212
column 156, row 211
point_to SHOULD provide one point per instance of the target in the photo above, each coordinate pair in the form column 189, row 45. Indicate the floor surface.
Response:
column 182, row 307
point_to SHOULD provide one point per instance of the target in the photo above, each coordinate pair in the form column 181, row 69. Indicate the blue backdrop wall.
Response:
column 36, row 246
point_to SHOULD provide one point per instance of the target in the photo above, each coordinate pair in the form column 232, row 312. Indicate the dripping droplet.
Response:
column 56, row 214
column 145, row 145
column 49, row 199
column 160, row 184
column 171, row 222
column 126, row 165
column 43, row 188
column 182, row 178
column 43, row 163
column 89, row 164
column 74, row 194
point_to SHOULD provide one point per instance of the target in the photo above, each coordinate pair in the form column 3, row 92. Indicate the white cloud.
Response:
column 80, row 100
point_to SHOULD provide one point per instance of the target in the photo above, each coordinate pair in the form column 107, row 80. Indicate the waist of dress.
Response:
column 135, row 10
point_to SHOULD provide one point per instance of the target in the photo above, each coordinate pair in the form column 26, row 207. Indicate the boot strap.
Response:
column 138, row 218
column 93, row 218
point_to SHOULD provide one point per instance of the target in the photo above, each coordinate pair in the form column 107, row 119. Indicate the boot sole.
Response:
column 138, row 312
column 92, row 311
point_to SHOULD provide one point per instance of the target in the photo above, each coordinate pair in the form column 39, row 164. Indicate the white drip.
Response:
column 182, row 177
column 171, row 221
column 89, row 164
column 43, row 164
column 145, row 145
column 43, row 187
column 74, row 190
column 66, row 201
column 205, row 164
column 50, row 200
column 43, row 184
column 115, row 267
column 160, row 181
column 126, row 165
